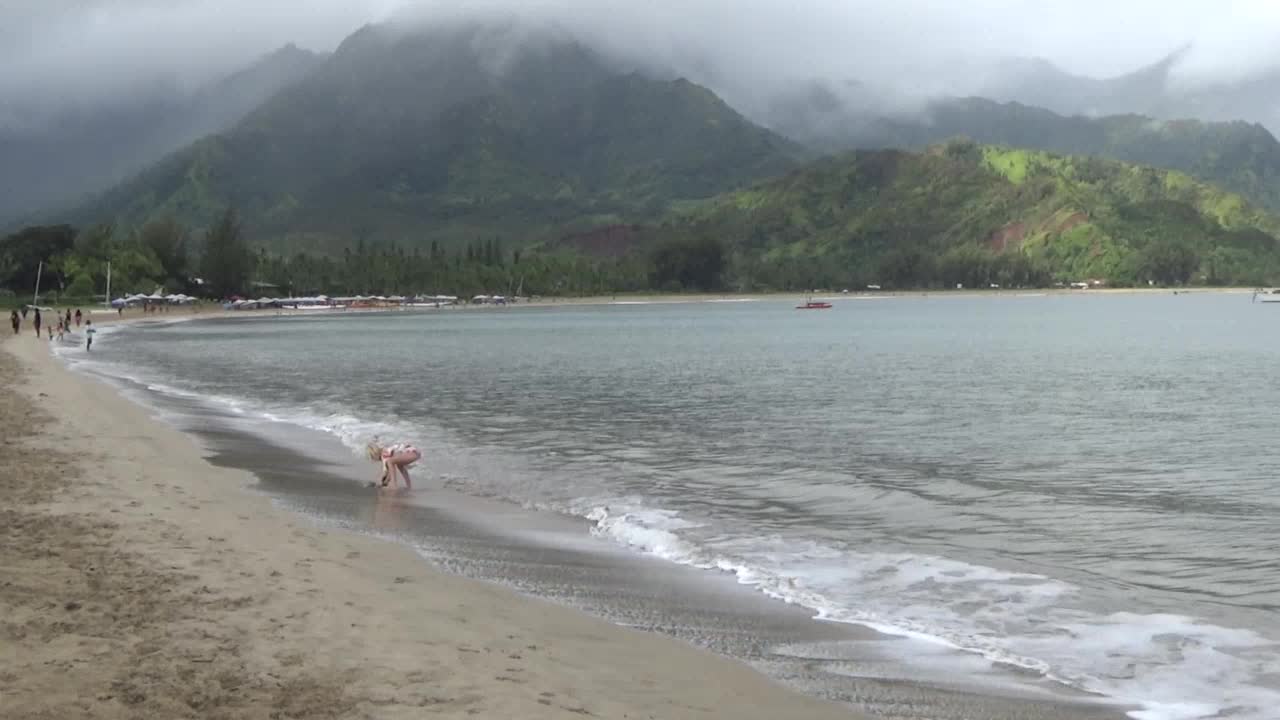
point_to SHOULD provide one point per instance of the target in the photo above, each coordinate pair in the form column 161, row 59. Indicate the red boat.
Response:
column 812, row 304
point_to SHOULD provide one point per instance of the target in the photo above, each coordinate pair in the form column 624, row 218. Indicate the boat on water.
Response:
column 811, row 304
column 1268, row 295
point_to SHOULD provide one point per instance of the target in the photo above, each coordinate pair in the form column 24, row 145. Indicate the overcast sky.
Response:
column 62, row 51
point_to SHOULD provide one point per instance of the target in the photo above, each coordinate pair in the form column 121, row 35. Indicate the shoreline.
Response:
column 104, row 316
column 789, row 296
column 167, row 590
column 941, row 696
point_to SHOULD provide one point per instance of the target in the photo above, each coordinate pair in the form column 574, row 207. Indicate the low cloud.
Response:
column 60, row 54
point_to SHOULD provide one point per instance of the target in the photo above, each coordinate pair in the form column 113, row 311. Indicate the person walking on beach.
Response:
column 88, row 333
column 16, row 321
column 66, row 321
column 36, row 322
column 394, row 458
column 61, row 330
column 78, row 317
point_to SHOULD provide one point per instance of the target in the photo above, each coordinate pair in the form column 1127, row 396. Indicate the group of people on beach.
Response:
column 59, row 330
column 395, row 459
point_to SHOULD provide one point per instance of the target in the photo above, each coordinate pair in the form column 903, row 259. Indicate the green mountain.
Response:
column 57, row 159
column 1237, row 156
column 451, row 135
column 975, row 215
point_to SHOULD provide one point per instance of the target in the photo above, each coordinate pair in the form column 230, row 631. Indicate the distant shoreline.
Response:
column 676, row 298
column 102, row 316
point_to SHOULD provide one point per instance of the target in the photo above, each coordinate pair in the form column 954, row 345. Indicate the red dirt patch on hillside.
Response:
column 1007, row 236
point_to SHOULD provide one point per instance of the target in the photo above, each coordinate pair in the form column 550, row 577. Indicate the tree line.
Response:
column 220, row 263
column 158, row 255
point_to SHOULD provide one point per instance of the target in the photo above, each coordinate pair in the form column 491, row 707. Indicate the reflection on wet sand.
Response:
column 387, row 511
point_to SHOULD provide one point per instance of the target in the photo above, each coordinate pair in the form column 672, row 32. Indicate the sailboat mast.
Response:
column 35, row 298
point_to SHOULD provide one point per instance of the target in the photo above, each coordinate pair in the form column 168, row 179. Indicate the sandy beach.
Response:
column 141, row 581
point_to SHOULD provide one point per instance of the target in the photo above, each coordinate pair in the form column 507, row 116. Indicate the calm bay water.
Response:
column 1086, row 486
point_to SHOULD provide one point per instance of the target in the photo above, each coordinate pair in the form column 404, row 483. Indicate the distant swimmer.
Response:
column 394, row 458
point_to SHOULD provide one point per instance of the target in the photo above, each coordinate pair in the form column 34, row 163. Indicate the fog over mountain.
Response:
column 75, row 74
column 57, row 53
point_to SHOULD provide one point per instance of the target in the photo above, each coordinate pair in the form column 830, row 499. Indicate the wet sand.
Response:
column 142, row 582
column 553, row 557
column 165, row 589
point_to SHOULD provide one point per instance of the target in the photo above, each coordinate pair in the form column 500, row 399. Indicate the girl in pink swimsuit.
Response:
column 394, row 457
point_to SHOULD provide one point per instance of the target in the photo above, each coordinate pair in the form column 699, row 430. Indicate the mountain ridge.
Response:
column 962, row 213
column 82, row 152
column 398, row 135
column 1239, row 156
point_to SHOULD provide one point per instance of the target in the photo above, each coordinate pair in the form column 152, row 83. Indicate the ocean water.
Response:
column 1086, row 487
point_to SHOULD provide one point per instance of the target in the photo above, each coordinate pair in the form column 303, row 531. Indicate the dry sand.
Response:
column 139, row 581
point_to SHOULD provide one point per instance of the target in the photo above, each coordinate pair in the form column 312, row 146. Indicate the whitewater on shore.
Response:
column 1073, row 486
